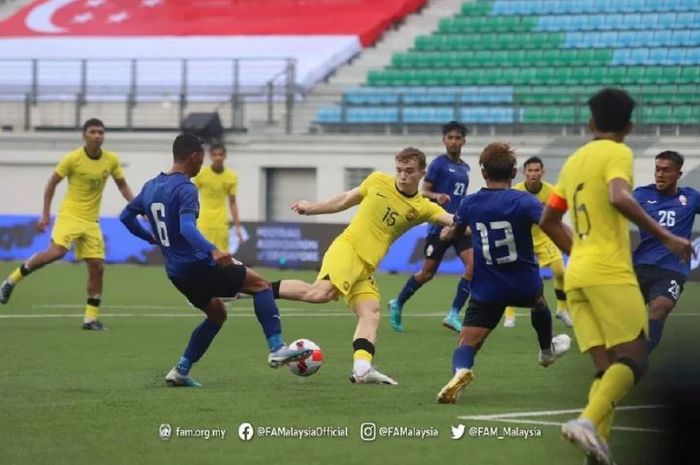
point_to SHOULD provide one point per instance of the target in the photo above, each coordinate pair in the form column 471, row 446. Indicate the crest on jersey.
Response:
column 411, row 214
column 683, row 199
column 346, row 286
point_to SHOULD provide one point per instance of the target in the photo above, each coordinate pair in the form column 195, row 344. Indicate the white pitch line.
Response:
column 516, row 417
column 548, row 413
column 554, row 423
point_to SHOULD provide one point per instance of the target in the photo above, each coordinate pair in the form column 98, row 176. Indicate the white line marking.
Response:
column 516, row 417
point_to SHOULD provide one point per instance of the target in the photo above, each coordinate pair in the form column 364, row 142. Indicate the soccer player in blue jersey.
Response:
column 446, row 184
column 505, row 270
column 196, row 267
column 660, row 272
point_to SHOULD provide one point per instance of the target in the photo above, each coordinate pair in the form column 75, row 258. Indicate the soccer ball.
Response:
column 310, row 364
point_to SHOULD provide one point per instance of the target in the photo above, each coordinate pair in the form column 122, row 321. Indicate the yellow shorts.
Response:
column 607, row 315
column 547, row 253
column 348, row 273
column 87, row 236
column 217, row 236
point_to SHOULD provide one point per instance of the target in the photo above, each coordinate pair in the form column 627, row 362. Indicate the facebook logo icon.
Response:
column 245, row 431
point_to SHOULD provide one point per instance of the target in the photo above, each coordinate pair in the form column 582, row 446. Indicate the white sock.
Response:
column 361, row 367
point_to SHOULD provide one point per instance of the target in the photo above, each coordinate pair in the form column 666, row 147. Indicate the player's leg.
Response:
column 90, row 247
column 319, row 292
column 661, row 290
column 200, row 340
column 479, row 321
column 95, row 268
column 38, row 260
column 557, row 267
column 624, row 334
column 268, row 316
column 464, row 250
column 434, row 251
column 590, row 338
column 366, row 307
column 551, row 348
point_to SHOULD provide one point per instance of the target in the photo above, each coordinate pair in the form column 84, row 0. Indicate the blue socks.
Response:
column 408, row 290
column 199, row 343
column 463, row 291
column 541, row 320
column 463, row 357
column 656, row 328
column 269, row 317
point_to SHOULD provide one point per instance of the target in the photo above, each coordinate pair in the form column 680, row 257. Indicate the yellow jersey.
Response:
column 538, row 237
column 385, row 214
column 600, row 254
column 86, row 182
column 214, row 191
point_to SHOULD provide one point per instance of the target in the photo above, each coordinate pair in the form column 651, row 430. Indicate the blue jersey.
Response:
column 505, row 269
column 676, row 213
column 448, row 177
column 163, row 199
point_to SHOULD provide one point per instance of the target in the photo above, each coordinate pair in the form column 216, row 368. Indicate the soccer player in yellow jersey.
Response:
column 87, row 169
column 603, row 295
column 547, row 253
column 388, row 207
column 217, row 187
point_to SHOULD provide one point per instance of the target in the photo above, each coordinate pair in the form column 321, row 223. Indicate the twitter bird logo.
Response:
column 457, row 431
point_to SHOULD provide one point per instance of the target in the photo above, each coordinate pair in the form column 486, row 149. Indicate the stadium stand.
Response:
column 535, row 62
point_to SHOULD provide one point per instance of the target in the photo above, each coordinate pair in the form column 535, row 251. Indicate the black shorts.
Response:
column 487, row 315
column 213, row 282
column 435, row 248
column 656, row 282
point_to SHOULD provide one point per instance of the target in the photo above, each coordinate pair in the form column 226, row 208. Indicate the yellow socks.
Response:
column 606, row 392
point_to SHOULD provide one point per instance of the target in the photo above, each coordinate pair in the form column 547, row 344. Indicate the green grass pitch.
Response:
column 69, row 396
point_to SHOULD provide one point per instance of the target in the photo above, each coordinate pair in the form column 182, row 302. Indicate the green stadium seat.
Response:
column 684, row 115
column 616, row 74
column 635, row 75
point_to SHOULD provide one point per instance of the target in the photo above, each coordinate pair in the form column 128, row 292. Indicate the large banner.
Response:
column 284, row 245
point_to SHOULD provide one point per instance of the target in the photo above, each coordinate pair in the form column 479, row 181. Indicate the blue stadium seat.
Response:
column 692, row 56
column 666, row 20
column 658, row 56
column 681, row 38
column 632, row 21
column 638, row 56
column 661, row 38
column 330, row 114
column 621, row 56
column 611, row 22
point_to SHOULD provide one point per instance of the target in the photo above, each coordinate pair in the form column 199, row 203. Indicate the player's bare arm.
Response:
column 124, row 189
column 49, row 192
column 233, row 208
column 427, row 191
column 553, row 226
column 339, row 203
column 620, row 197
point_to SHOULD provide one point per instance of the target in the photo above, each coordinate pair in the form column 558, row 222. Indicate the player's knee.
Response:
column 216, row 312
column 97, row 268
column 660, row 308
column 424, row 276
column 319, row 296
column 639, row 367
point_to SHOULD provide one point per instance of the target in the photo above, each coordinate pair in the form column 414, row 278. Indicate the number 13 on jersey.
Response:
column 503, row 228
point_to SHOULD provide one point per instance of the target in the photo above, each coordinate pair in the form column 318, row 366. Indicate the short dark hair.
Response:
column 498, row 160
column 217, row 146
column 675, row 157
column 611, row 109
column 185, row 145
column 533, row 160
column 411, row 153
column 92, row 122
column 454, row 126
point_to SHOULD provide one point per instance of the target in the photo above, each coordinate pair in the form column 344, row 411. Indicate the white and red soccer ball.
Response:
column 309, row 365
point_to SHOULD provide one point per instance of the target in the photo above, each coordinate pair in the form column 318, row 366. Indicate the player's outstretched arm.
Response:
column 553, row 226
column 335, row 204
column 49, row 192
column 620, row 197
column 427, row 192
column 129, row 218
column 124, row 189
